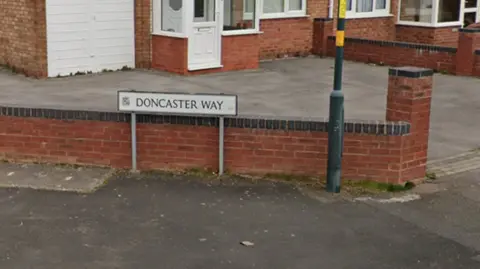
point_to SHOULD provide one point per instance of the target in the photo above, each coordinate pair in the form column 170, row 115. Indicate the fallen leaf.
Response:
column 247, row 243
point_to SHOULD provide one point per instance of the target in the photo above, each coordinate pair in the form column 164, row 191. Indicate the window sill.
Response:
column 429, row 25
column 241, row 32
column 368, row 15
column 273, row 16
column 170, row 34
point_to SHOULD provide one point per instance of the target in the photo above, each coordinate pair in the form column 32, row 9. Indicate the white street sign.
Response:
column 177, row 103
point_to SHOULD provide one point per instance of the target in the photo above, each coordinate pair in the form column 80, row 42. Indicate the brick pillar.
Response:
column 468, row 43
column 409, row 99
column 322, row 28
column 143, row 34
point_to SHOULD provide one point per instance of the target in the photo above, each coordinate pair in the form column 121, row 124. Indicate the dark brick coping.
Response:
column 410, row 72
column 398, row 44
column 469, row 30
column 286, row 124
column 323, row 19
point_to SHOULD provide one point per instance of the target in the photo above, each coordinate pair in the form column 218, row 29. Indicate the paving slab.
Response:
column 164, row 222
column 53, row 177
column 282, row 88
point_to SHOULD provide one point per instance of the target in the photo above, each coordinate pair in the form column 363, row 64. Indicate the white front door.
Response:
column 204, row 42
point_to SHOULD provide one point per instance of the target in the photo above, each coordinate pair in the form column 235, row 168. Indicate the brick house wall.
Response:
column 382, row 28
column 143, row 37
column 443, row 36
column 23, row 36
column 290, row 36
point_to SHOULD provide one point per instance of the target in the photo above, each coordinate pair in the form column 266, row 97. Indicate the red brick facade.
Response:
column 23, row 46
column 443, row 36
column 393, row 152
column 238, row 53
column 285, row 37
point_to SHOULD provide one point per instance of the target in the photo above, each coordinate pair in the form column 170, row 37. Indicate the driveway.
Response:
column 286, row 88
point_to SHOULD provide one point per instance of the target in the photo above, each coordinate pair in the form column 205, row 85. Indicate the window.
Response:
column 449, row 11
column 431, row 12
column 283, row 8
column 416, row 11
column 168, row 17
column 240, row 15
column 368, row 8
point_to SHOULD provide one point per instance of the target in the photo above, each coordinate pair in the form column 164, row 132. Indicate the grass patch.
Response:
column 431, row 175
column 290, row 178
column 368, row 186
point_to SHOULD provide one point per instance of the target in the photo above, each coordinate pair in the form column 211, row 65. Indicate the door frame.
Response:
column 190, row 24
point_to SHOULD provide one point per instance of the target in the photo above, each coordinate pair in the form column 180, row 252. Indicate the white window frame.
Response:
column 352, row 14
column 434, row 19
column 157, row 20
column 286, row 13
column 247, row 16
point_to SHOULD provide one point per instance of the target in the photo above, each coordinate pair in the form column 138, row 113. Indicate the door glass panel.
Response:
column 470, row 18
column 470, row 3
column 204, row 10
column 171, row 15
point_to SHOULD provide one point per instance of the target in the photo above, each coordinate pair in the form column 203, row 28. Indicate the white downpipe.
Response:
column 330, row 9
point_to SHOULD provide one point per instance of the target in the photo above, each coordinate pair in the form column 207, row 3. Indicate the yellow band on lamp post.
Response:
column 340, row 39
column 342, row 9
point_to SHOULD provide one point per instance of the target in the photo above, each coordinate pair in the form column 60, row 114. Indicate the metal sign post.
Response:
column 221, row 137
column 213, row 105
column 133, row 126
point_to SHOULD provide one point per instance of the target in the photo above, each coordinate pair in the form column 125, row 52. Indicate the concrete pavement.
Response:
column 286, row 88
column 178, row 222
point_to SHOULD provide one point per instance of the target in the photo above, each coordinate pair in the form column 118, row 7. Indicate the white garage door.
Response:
column 89, row 35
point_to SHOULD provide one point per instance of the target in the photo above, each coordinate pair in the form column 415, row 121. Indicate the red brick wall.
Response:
column 477, row 65
column 370, row 52
column 317, row 8
column 169, row 54
column 239, row 52
column 23, row 36
column 322, row 29
column 285, row 37
column 371, row 28
column 142, row 33
column 253, row 151
column 444, row 36
column 409, row 99
column 469, row 42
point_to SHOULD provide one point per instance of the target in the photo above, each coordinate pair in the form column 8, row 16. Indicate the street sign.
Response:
column 177, row 103
column 216, row 105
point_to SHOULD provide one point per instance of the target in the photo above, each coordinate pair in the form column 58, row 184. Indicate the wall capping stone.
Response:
column 250, row 122
column 398, row 44
column 469, row 30
column 410, row 72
